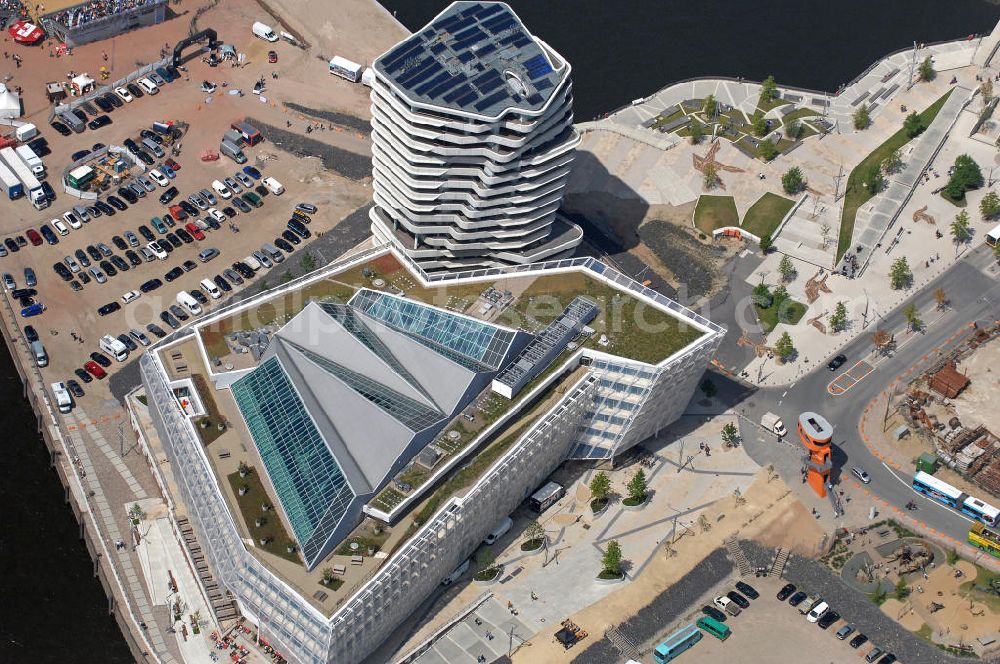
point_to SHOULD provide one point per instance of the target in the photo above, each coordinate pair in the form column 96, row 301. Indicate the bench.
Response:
column 357, row 560
column 340, row 570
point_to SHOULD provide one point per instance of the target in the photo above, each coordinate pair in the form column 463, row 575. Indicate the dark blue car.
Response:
column 48, row 234
column 32, row 310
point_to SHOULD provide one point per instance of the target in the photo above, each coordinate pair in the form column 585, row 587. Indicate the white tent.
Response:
column 82, row 83
column 10, row 103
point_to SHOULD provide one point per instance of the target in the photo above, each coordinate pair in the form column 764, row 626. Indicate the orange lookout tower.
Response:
column 815, row 433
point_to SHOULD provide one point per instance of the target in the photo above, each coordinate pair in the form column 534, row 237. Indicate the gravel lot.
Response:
column 349, row 164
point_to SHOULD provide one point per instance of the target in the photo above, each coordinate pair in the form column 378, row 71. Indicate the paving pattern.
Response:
column 849, row 378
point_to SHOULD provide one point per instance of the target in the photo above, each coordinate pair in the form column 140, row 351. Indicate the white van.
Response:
column 276, row 188
column 817, row 612
column 63, row 400
column 221, row 189
column 264, row 32
column 209, row 287
column 113, row 347
column 457, row 573
column 499, row 531
column 185, row 300
column 272, row 251
column 253, row 263
column 148, row 86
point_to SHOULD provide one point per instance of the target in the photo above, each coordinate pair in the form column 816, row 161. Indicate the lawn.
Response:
column 765, row 215
column 766, row 106
column 856, row 195
column 798, row 114
column 714, row 212
column 662, row 120
column 209, row 434
column 250, row 510
column 789, row 312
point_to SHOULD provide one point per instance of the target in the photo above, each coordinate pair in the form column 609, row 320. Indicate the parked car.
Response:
column 173, row 274
column 836, row 362
column 797, row 598
column 150, row 285
column 117, row 203
column 146, row 233
column 727, row 605
column 858, row 641
column 32, row 310
column 828, row 619
column 169, row 319
column 94, row 369
column 786, row 591
column 83, row 375
column 221, row 282
column 156, row 330
column 98, row 275
column 139, row 336
column 844, row 632
column 168, row 195
column 128, row 343
column 189, row 266
column 284, row 245
column 713, row 613
column 98, row 122
column 173, row 165
column 124, row 95
column 252, row 172
column 747, row 590
column 109, row 308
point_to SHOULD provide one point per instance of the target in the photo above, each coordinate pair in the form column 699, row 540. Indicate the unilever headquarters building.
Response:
column 396, row 405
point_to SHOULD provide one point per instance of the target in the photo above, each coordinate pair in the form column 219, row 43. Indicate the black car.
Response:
column 134, row 90
column 241, row 204
column 146, row 233
column 190, row 209
column 797, row 598
column 299, row 229
column 178, row 312
column 747, row 590
column 83, row 375
column 83, row 277
column 119, row 263
column 30, row 333
column 283, row 244
column 261, row 190
column 714, row 613
column 98, row 122
column 128, row 195
column 150, row 285
column 151, row 135
column 173, row 274
column 133, row 258
column 172, row 238
column 212, row 223
column 108, row 268
column 291, row 237
column 78, row 112
column 889, row 658
column 108, row 308
column 858, row 641
column 62, row 271
column 18, row 293
column 79, row 154
column 117, row 203
column 199, row 296
column 115, row 100
column 119, row 242
column 61, row 128
column 786, row 592
column 828, row 619
column 97, row 146
column 166, row 246
column 127, row 340
column 105, row 208
column 189, row 265
column 164, row 74
column 21, row 241
column 40, row 146
column 74, row 388
column 94, row 212
column 94, row 253
column 837, row 362
column 229, row 212
column 168, row 318
column 11, row 244
column 221, row 282
column 50, row 194
column 184, row 236
column 243, row 270
column 82, row 258
column 131, row 145
column 104, row 104
column 145, row 157
column 157, row 330
column 168, row 195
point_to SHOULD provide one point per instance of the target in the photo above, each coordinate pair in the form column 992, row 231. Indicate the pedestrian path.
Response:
column 487, row 634
column 84, row 423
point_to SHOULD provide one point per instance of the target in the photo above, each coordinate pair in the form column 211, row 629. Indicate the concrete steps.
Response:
column 736, row 553
column 778, row 566
column 623, row 643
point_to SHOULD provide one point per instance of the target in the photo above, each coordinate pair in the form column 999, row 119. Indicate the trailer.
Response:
column 344, row 68
column 31, row 160
column 11, row 185
column 32, row 187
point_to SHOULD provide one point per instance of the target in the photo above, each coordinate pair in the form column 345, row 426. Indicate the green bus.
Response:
column 676, row 643
column 719, row 630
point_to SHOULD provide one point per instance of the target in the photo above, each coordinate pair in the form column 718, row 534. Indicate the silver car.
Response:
column 98, row 275
column 131, row 238
column 198, row 201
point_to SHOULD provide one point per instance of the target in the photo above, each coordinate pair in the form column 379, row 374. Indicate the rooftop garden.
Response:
column 208, row 425
column 251, row 498
column 714, row 212
column 765, row 215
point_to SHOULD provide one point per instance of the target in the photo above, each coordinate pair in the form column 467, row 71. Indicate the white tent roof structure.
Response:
column 10, row 103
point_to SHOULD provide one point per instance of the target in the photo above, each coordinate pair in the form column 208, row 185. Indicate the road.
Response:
column 974, row 295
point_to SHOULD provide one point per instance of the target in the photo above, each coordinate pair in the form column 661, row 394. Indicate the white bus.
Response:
column 344, row 68
column 993, row 237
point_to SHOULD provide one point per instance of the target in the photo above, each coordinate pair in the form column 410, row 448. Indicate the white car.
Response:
column 222, row 190
column 217, row 215
column 157, row 250
column 148, row 86
column 124, row 94
column 130, row 296
column 817, row 612
column 276, row 187
column 727, row 605
column 60, row 227
column 159, row 178
column 861, row 475
column 72, row 220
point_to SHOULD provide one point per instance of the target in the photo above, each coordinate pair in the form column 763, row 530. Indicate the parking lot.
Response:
column 769, row 631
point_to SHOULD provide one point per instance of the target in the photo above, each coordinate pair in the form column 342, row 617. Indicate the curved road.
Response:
column 974, row 294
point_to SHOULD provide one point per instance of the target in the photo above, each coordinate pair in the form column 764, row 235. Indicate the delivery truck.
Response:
column 773, row 423
column 11, row 185
column 30, row 184
column 31, row 160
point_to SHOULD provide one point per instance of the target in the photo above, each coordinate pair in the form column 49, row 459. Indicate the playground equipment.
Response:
column 815, row 433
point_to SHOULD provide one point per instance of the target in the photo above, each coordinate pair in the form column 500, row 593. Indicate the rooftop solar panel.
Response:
column 467, row 99
column 535, row 99
column 445, row 24
column 485, row 50
column 544, row 84
column 447, row 85
column 499, row 24
column 457, row 92
column 489, row 101
column 490, row 85
column 465, row 34
column 490, row 10
column 483, row 78
column 521, row 41
column 466, row 56
column 437, row 48
column 434, row 82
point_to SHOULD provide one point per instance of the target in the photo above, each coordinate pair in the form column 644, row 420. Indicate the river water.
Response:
column 53, row 610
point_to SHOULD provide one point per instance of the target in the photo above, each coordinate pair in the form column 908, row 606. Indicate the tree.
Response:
column 838, row 320
column 912, row 315
column 862, row 117
column 793, row 129
column 638, row 487
column 308, row 262
column 758, row 123
column 533, row 531
column 875, row 180
column 792, row 181
column 710, row 107
column 914, row 125
column 986, row 90
column 711, row 175
column 881, row 340
column 708, row 388
column 989, row 207
column 900, row 275
column 960, row 230
column 600, row 486
column 780, row 295
column 940, row 298
column 768, row 150
column 784, row 348
column 926, row 70
column 766, row 243
column 730, row 434
column 996, row 251
column 697, row 133
column 965, row 175
column 786, row 269
column 901, row 591
column 611, row 561
column 761, row 296
column 894, row 162
column 768, row 90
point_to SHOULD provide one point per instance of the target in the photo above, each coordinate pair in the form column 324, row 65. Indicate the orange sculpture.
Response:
column 815, row 433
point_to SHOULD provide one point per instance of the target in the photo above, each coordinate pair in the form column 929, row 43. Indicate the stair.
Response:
column 223, row 608
column 623, row 643
column 736, row 553
column 780, row 558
